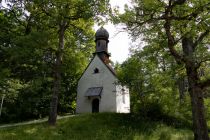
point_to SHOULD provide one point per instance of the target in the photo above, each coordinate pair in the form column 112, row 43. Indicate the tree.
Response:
column 29, row 47
column 150, row 74
column 185, row 26
column 26, row 69
column 63, row 16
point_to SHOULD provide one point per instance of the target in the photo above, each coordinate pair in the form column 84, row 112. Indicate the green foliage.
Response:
column 28, row 47
column 152, row 75
column 164, row 26
column 104, row 126
column 148, row 76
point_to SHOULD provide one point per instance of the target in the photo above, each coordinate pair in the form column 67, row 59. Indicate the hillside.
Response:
column 104, row 126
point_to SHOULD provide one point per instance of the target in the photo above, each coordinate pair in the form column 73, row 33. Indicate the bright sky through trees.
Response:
column 118, row 41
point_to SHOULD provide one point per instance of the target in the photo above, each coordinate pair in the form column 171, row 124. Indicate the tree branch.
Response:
column 179, row 59
column 199, row 63
column 201, row 37
column 178, row 2
column 172, row 43
column 204, row 84
column 17, row 19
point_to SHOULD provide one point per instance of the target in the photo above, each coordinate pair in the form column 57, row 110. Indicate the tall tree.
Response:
column 63, row 16
column 185, row 26
column 29, row 47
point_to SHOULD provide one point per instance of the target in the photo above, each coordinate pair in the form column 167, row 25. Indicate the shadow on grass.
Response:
column 110, row 126
column 103, row 126
column 127, row 127
column 174, row 122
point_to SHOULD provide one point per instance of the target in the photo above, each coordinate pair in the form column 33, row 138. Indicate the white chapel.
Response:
column 98, row 88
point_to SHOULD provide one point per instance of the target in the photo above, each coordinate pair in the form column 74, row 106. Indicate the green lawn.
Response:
column 104, row 126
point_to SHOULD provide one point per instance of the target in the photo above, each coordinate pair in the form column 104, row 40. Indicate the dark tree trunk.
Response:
column 181, row 86
column 57, row 77
column 197, row 101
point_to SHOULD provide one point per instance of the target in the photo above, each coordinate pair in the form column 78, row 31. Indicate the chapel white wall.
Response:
column 122, row 99
column 105, row 79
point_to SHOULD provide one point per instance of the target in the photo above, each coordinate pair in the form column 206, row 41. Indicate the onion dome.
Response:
column 102, row 34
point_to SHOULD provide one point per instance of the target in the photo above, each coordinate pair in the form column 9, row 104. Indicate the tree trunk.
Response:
column 2, row 101
column 197, row 101
column 57, row 77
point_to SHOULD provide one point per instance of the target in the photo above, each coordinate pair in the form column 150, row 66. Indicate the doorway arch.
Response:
column 95, row 105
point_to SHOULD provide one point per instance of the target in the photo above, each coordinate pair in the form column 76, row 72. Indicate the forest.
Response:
column 46, row 45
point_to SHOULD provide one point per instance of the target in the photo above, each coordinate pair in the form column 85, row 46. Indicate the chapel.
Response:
column 98, row 88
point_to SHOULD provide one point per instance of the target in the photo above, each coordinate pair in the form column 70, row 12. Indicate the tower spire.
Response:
column 102, row 40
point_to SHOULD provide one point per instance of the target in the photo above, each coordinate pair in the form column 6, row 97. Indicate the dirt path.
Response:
column 33, row 122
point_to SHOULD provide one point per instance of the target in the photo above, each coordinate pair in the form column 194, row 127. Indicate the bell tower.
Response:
column 101, row 39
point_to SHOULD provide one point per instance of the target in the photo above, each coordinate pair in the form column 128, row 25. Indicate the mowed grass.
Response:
column 102, row 126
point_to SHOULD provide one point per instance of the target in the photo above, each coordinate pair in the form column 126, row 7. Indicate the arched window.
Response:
column 98, row 43
column 123, row 95
column 96, row 70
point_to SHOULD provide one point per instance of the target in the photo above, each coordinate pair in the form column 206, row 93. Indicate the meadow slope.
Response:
column 102, row 126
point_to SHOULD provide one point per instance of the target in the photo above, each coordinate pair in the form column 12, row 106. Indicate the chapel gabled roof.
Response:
column 107, row 65
column 110, row 68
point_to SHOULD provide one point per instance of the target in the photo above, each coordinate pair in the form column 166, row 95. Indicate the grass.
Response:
column 103, row 126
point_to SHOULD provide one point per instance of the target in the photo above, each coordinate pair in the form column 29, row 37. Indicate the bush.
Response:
column 151, row 110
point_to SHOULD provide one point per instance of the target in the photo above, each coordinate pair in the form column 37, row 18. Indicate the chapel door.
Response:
column 95, row 105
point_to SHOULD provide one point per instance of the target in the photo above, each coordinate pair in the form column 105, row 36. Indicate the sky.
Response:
column 118, row 42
